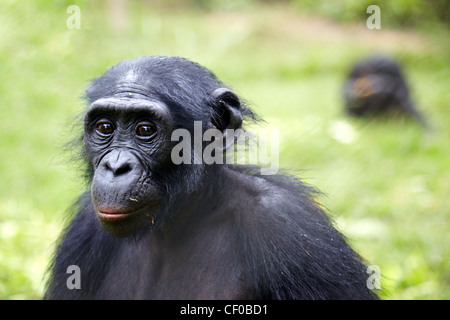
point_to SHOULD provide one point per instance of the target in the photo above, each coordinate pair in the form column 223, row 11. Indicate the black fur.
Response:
column 216, row 231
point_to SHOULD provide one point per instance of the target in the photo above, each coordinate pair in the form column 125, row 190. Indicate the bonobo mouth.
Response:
column 116, row 214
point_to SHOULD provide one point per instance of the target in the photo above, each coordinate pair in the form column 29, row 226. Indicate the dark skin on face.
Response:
column 152, row 229
column 118, row 131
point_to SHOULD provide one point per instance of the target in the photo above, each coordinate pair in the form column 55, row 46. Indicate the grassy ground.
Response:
column 386, row 183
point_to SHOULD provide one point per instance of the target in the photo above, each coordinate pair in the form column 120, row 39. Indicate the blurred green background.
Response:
column 386, row 183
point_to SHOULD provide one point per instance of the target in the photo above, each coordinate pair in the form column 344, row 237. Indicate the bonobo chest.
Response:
column 208, row 269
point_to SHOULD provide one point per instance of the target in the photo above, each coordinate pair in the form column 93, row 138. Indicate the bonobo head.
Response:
column 134, row 108
column 371, row 86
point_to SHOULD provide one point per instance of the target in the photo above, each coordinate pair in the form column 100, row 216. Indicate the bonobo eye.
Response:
column 104, row 127
column 146, row 129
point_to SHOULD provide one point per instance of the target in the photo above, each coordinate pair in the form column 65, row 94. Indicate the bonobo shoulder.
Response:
column 280, row 197
column 291, row 249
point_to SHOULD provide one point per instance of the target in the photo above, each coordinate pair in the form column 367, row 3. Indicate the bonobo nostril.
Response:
column 118, row 168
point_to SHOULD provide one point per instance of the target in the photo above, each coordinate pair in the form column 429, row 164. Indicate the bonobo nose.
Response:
column 120, row 163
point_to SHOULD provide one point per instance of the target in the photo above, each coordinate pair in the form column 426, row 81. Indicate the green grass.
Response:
column 386, row 184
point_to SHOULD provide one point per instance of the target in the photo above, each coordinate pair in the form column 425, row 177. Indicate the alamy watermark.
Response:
column 74, row 20
column 374, row 21
column 74, row 280
column 373, row 281
column 228, row 147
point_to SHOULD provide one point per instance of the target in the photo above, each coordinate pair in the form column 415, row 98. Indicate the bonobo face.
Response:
column 126, row 139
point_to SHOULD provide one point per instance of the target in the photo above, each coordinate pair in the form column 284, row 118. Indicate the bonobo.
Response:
column 152, row 229
column 376, row 87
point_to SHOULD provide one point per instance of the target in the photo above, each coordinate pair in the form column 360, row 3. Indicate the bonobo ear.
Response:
column 228, row 110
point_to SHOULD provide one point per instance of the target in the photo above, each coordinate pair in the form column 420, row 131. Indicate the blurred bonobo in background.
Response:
column 376, row 87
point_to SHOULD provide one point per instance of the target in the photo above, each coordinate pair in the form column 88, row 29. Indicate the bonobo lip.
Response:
column 115, row 214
